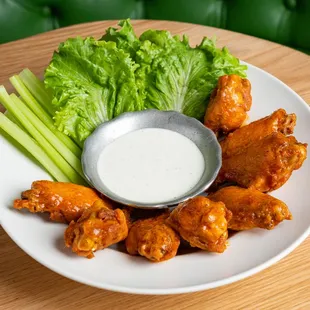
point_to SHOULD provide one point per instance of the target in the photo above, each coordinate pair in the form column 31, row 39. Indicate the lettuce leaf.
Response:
column 221, row 61
column 92, row 82
column 175, row 75
column 125, row 37
column 171, row 74
column 179, row 77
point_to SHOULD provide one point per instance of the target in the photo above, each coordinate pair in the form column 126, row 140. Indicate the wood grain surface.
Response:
column 25, row 284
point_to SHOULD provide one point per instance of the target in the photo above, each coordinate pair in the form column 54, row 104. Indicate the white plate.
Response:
column 249, row 251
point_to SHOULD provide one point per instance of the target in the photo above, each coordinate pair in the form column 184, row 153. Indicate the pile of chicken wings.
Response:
column 256, row 159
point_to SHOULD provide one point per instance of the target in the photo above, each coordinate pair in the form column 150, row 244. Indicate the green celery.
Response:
column 32, row 147
column 37, row 89
column 44, row 116
column 49, row 135
column 14, row 120
column 15, row 110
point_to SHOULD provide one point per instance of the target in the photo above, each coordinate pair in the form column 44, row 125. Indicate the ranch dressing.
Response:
column 151, row 165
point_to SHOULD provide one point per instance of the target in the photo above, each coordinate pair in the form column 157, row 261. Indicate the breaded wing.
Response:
column 229, row 104
column 97, row 228
column 250, row 208
column 64, row 201
column 202, row 222
column 153, row 239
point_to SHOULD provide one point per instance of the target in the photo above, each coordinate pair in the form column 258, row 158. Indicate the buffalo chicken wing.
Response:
column 250, row 208
column 97, row 228
column 153, row 239
column 229, row 103
column 239, row 140
column 266, row 164
column 64, row 201
column 202, row 222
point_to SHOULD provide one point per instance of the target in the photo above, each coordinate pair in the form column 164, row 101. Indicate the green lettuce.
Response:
column 92, row 81
column 125, row 37
column 181, row 78
column 176, row 76
column 171, row 74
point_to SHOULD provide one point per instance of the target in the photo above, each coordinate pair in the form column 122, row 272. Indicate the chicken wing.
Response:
column 250, row 208
column 202, row 222
column 237, row 141
column 266, row 164
column 97, row 228
column 153, row 239
column 229, row 103
column 64, row 201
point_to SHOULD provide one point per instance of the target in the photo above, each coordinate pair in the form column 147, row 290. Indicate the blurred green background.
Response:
column 283, row 21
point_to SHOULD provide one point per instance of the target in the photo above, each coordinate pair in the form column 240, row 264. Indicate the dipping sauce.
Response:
column 151, row 165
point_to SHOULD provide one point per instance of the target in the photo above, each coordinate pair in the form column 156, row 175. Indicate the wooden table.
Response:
column 25, row 284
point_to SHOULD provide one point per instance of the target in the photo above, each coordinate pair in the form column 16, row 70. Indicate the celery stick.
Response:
column 38, row 110
column 37, row 89
column 49, row 135
column 14, row 120
column 8, row 103
column 32, row 147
